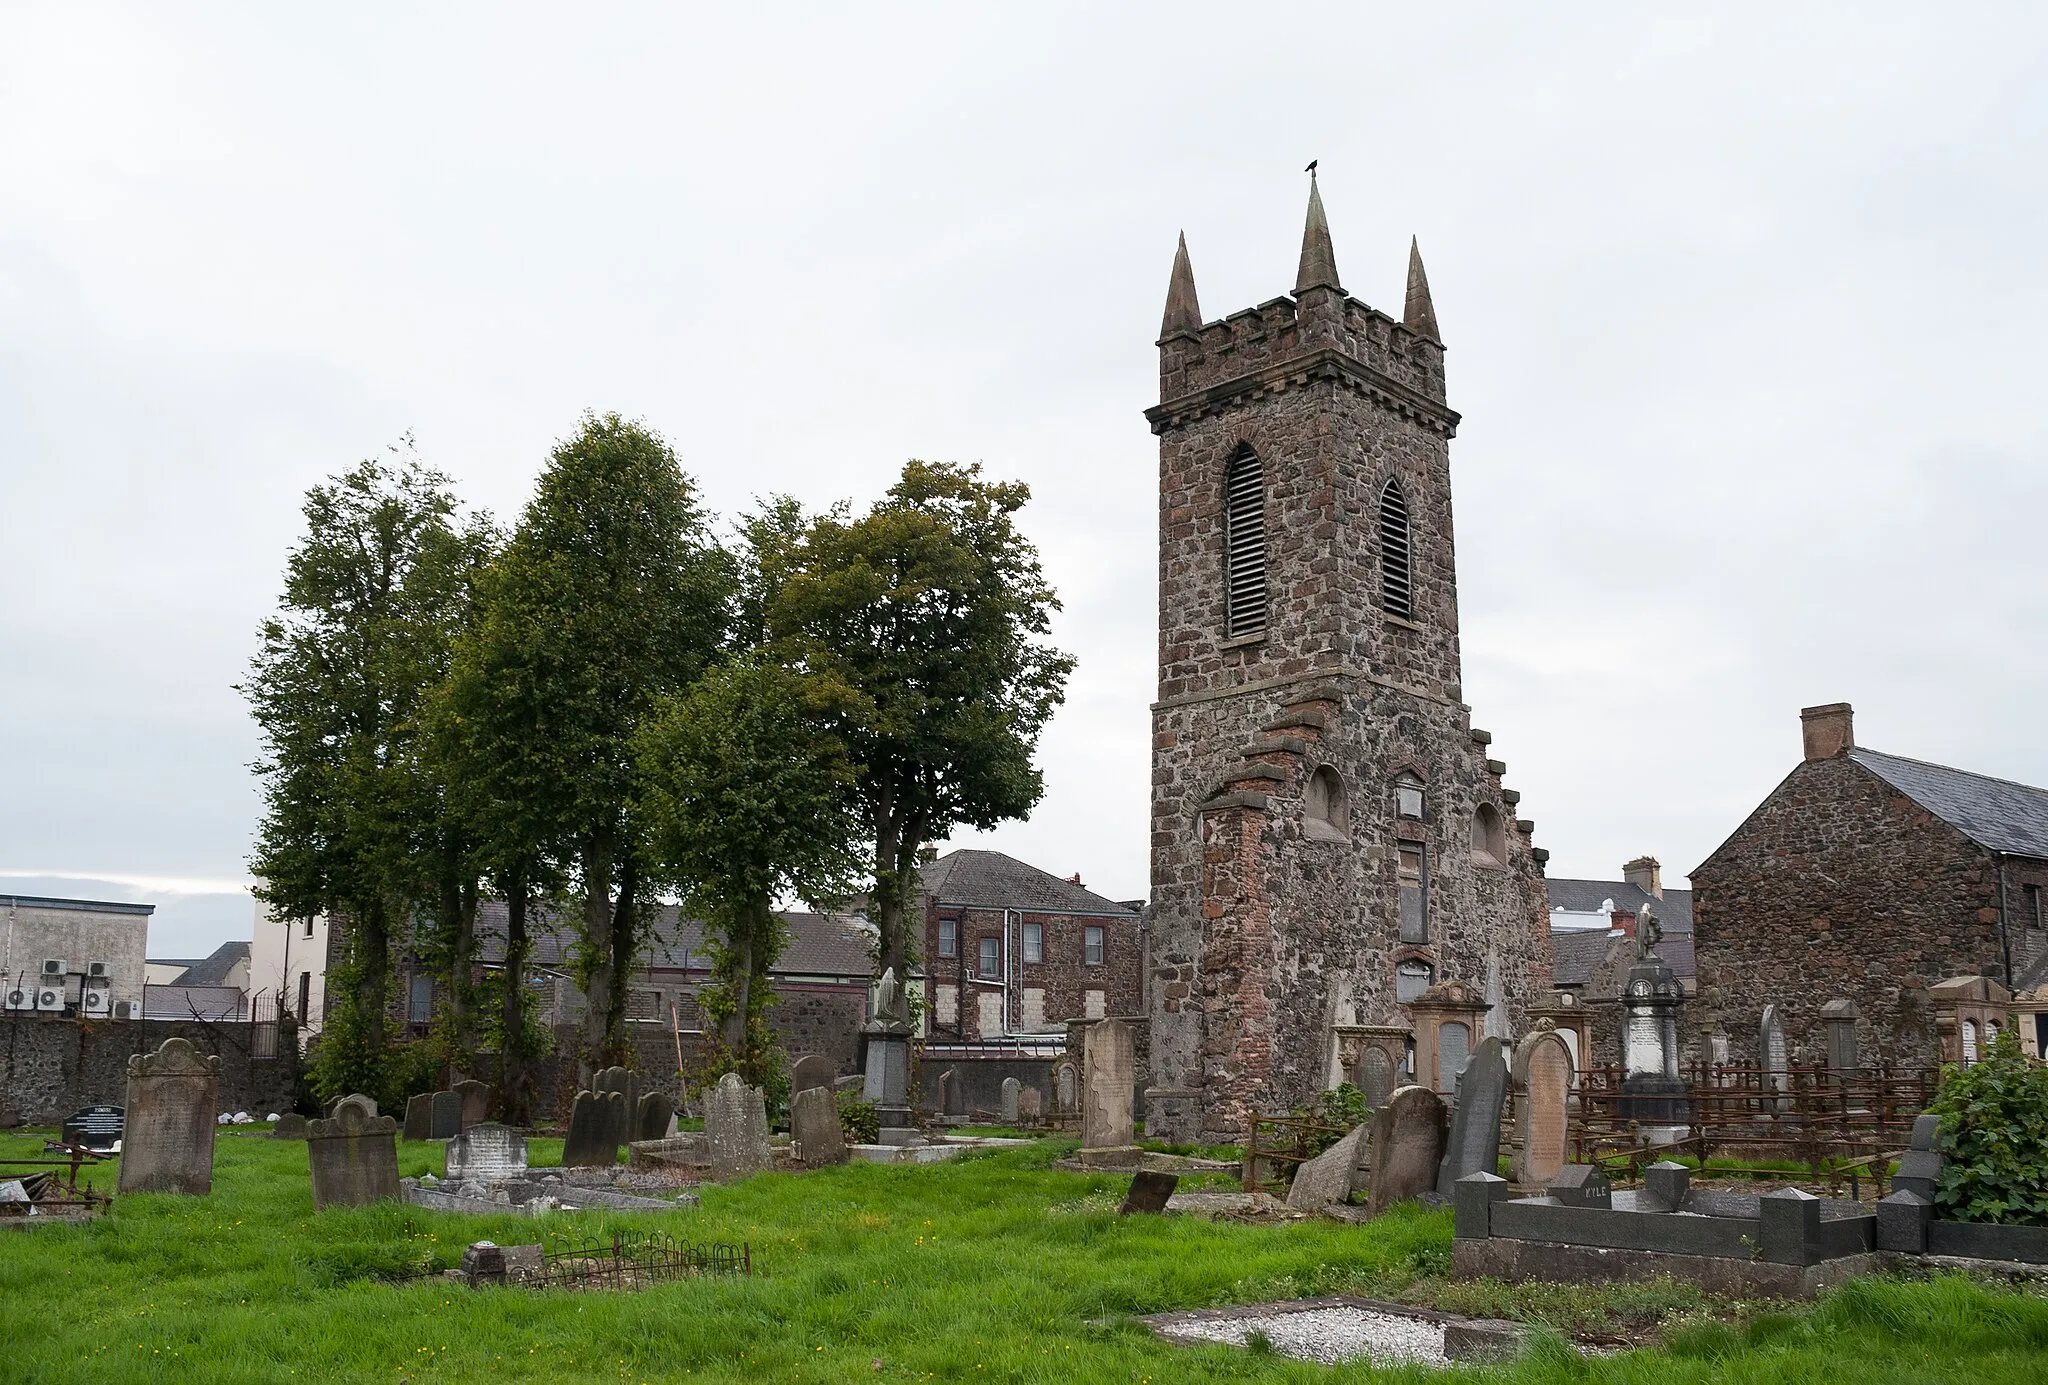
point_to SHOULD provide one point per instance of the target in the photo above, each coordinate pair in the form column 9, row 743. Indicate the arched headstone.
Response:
column 1375, row 1076
column 1771, row 1047
column 1543, row 1079
column 1066, row 1094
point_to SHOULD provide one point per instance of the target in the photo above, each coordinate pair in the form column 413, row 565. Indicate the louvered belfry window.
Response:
column 1397, row 554
column 1244, row 545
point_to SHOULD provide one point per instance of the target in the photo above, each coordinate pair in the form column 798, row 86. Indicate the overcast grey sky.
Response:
column 1743, row 308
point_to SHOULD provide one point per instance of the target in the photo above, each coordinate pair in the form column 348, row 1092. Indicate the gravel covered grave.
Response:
column 1328, row 1335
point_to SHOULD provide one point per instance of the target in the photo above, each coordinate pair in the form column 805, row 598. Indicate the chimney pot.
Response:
column 1624, row 921
column 1827, row 730
column 1646, row 875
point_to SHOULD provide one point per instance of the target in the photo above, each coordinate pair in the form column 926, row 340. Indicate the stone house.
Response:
column 1010, row 949
column 63, row 958
column 1331, row 837
column 1593, row 943
column 1906, row 891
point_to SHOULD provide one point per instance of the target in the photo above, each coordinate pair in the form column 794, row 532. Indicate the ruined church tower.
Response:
column 1337, row 871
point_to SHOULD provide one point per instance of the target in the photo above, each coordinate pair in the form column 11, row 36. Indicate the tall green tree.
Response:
column 933, row 610
column 609, row 595
column 372, row 597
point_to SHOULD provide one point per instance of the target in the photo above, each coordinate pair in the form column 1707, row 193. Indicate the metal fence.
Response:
column 630, row 1260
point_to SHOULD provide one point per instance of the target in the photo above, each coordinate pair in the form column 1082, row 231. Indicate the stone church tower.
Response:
column 1338, row 877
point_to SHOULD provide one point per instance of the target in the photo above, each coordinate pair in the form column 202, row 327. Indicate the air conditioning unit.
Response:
column 95, row 971
column 54, row 967
column 19, row 996
column 126, row 1010
column 94, row 1001
column 49, row 997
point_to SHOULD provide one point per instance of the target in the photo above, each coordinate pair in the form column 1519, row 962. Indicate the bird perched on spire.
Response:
column 1311, row 169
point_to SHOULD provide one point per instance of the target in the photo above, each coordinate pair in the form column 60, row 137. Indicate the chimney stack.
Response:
column 1828, row 730
column 1646, row 875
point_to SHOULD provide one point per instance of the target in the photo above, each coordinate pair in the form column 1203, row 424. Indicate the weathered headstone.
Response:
column 1920, row 1166
column 447, row 1116
column 487, row 1153
column 419, row 1116
column 886, row 1066
column 626, row 1082
column 736, row 1128
column 950, row 1102
column 167, row 1142
column 290, row 1126
column 1474, row 1145
column 1771, row 1047
column 1031, row 1107
column 357, row 1097
column 1150, row 1192
column 353, row 1157
column 476, row 1101
column 1064, row 1090
column 595, row 1118
column 1543, row 1079
column 812, row 1070
column 1407, row 1145
column 657, row 1109
column 1329, row 1177
column 1013, row 1097
column 1838, row 1022
column 95, row 1128
column 1111, row 1059
column 1375, row 1076
column 814, row 1127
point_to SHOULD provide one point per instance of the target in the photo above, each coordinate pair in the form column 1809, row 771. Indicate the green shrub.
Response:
column 1994, row 1138
column 859, row 1119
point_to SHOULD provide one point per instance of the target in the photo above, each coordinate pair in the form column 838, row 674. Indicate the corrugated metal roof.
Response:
column 991, row 880
column 1995, row 813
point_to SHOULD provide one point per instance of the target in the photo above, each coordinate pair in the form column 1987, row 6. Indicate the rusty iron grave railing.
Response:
column 622, row 1260
column 1281, row 1140
column 48, row 1193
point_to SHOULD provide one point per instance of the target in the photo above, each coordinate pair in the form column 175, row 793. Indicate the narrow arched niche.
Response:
column 1489, row 836
column 1326, row 815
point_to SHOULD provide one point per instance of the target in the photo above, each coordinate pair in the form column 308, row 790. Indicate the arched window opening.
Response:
column 1244, row 545
column 1489, row 836
column 1397, row 554
column 1969, row 1041
column 1326, row 815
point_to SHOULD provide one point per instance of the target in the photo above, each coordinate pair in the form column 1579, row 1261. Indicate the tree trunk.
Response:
column 373, row 953
column 456, row 910
column 889, row 895
column 597, row 941
column 625, row 943
column 512, row 1079
column 742, row 994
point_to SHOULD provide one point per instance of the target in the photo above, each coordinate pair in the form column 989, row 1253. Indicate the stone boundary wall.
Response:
column 51, row 1067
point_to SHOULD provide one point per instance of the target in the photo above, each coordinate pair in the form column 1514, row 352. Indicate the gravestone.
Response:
column 814, row 1070
column 1064, row 1088
column 1329, row 1177
column 1920, row 1166
column 1150, row 1192
column 97, row 1128
column 626, row 1082
column 419, row 1117
column 1031, row 1107
column 1474, row 1145
column 1543, row 1080
column 487, row 1153
column 736, row 1128
column 1838, row 1022
column 1407, row 1141
column 814, row 1127
column 950, row 1103
column 886, row 1079
column 447, row 1116
column 358, row 1097
column 1771, row 1047
column 290, row 1126
column 1112, row 1065
column 476, row 1101
column 1375, row 1076
column 595, row 1118
column 1013, row 1097
column 657, row 1111
column 353, row 1157
column 167, row 1138
column 1581, row 1185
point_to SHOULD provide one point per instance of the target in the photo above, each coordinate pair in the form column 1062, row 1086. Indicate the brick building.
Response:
column 1010, row 949
column 1874, row 879
column 1330, row 837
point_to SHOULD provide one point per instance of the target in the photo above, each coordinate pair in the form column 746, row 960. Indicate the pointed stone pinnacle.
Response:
column 1183, row 312
column 1418, row 313
column 1318, row 256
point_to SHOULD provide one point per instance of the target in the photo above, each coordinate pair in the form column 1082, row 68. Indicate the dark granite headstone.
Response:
column 814, row 1070
column 626, row 1082
column 1581, row 1185
column 476, row 1101
column 1407, row 1143
column 657, row 1109
column 353, row 1157
column 419, row 1117
column 290, row 1126
column 1149, row 1192
column 447, row 1116
column 167, row 1137
column 1920, row 1166
column 95, row 1128
column 1474, row 1145
column 595, row 1118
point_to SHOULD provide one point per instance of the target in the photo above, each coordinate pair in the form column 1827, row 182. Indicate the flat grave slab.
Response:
column 1334, row 1330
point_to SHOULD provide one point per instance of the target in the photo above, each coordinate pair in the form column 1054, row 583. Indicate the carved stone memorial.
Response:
column 353, row 1156
column 1110, row 1057
column 736, row 1128
column 596, row 1120
column 1543, row 1081
column 1407, row 1142
column 814, row 1127
column 1474, row 1145
column 173, row 1098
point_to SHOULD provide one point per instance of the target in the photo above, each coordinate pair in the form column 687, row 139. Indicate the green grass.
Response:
column 994, row 1268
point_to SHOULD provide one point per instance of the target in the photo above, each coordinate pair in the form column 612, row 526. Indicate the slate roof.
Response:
column 818, row 944
column 1674, row 910
column 1576, row 953
column 991, row 880
column 2005, row 817
column 213, row 970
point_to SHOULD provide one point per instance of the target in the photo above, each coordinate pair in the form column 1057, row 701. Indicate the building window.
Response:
column 1397, row 554
column 949, row 937
column 1034, row 942
column 1325, row 816
column 1411, row 979
column 1091, row 943
column 1489, row 836
column 1244, row 545
column 420, row 1006
column 991, row 957
column 1414, row 881
column 309, row 927
column 643, row 1007
column 2034, row 919
column 305, row 995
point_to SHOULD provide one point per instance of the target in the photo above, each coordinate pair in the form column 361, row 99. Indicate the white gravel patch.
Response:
column 1331, row 1336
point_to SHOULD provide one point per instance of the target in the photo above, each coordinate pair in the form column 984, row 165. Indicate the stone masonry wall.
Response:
column 51, row 1067
column 1839, row 885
